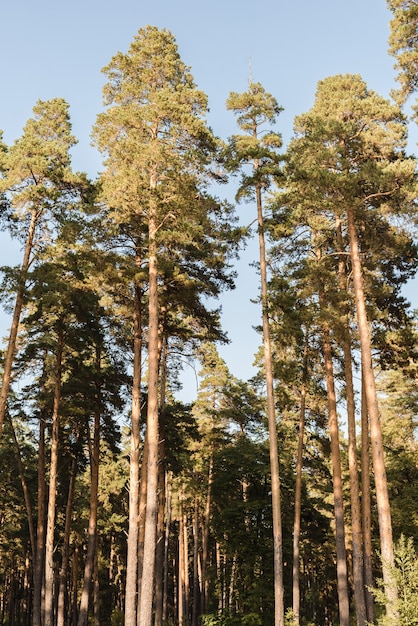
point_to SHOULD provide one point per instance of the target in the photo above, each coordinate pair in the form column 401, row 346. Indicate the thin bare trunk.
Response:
column 196, row 580
column 205, row 539
column 382, row 496
column 159, row 556
column 358, row 579
column 96, row 592
column 366, row 505
column 11, row 346
column 94, row 451
column 63, row 575
column 25, row 490
column 40, row 530
column 131, row 589
column 181, row 568
column 343, row 599
column 142, row 510
column 272, row 426
column 50, row 526
column 166, row 544
column 298, row 492
column 148, row 567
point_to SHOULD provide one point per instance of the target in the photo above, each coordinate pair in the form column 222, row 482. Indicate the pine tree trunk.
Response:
column 358, row 579
column 62, row 591
column 96, row 592
column 131, row 588
column 159, row 557
column 298, row 494
column 147, row 580
column 272, row 426
column 366, row 505
column 181, row 567
column 382, row 496
column 50, row 526
column 205, row 539
column 94, row 492
column 25, row 490
column 196, row 581
column 142, row 511
column 11, row 346
column 342, row 582
column 40, row 530
column 166, row 543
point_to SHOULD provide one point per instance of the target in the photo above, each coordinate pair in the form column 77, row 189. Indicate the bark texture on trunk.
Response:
column 131, row 588
column 382, row 496
column 11, row 346
column 298, row 495
column 356, row 527
column 63, row 575
column 366, row 506
column 94, row 450
column 53, row 475
column 148, row 566
column 272, row 426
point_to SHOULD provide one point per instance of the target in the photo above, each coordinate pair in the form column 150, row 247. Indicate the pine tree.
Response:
column 258, row 147
column 158, row 149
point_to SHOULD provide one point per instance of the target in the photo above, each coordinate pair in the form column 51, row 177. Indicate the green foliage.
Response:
column 224, row 619
column 405, row 573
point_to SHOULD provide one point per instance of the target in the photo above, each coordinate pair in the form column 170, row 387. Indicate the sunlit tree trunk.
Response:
column 11, row 346
column 148, row 567
column 205, row 538
column 166, row 544
column 196, row 580
column 272, row 426
column 382, row 496
column 159, row 556
column 40, row 530
column 342, row 580
column 298, row 493
column 366, row 505
column 53, row 470
column 94, row 453
column 131, row 588
column 357, row 535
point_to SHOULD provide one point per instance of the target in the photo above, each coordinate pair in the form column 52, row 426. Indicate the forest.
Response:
column 288, row 499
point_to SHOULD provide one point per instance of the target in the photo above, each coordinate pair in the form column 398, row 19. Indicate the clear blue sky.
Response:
column 54, row 49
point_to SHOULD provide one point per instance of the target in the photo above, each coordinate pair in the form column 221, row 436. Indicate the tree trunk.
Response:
column 50, row 526
column 166, row 544
column 196, row 581
column 159, row 556
column 382, row 496
column 342, row 583
column 62, row 591
column 205, row 539
column 358, row 579
column 25, row 490
column 181, row 567
column 131, row 588
column 11, row 346
column 366, row 505
column 298, row 493
column 147, row 581
column 40, row 530
column 142, row 511
column 94, row 492
column 272, row 426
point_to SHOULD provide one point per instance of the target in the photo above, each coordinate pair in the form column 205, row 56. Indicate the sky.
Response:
column 51, row 49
